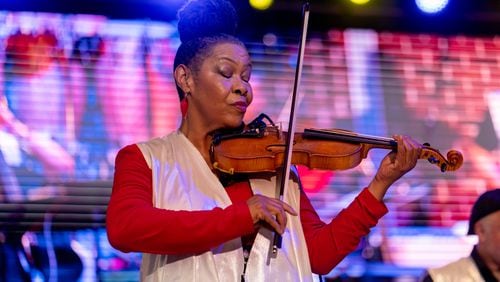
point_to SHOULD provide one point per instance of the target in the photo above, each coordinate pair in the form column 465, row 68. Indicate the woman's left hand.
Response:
column 395, row 165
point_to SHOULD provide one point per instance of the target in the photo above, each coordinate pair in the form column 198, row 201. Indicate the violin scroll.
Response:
column 453, row 161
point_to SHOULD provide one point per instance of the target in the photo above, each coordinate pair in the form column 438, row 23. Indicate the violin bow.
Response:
column 284, row 171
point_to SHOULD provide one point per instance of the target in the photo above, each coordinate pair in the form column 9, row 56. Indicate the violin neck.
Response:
column 347, row 136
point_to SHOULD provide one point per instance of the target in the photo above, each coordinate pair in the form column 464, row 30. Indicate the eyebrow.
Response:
column 233, row 61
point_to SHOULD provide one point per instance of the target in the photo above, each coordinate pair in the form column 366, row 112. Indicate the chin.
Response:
column 235, row 121
column 236, row 124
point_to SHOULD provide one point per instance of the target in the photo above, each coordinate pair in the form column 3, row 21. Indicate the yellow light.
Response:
column 261, row 4
column 360, row 2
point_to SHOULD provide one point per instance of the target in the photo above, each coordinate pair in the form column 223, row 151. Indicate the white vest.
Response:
column 183, row 181
column 462, row 270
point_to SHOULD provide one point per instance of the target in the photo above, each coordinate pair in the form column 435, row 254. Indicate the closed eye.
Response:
column 225, row 75
column 245, row 77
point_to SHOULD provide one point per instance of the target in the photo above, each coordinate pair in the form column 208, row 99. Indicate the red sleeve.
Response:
column 133, row 224
column 329, row 243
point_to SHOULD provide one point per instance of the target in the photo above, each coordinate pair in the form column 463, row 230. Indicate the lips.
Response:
column 241, row 106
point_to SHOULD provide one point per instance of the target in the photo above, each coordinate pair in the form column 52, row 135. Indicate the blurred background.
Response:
column 81, row 79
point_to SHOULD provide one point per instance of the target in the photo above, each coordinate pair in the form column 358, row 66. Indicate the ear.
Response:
column 479, row 229
column 182, row 75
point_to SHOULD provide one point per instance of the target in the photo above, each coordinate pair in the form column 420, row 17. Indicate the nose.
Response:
column 240, row 87
column 241, row 92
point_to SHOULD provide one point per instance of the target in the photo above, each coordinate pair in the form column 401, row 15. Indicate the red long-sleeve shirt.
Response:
column 134, row 224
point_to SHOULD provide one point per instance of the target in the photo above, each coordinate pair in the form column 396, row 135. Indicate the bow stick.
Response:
column 284, row 171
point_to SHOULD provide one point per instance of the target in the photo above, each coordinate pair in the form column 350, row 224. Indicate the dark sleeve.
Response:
column 329, row 243
column 134, row 224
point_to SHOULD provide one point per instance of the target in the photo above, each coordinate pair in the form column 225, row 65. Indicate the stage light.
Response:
column 431, row 6
column 360, row 2
column 260, row 4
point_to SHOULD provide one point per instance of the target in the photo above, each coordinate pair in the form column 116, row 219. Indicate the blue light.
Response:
column 431, row 6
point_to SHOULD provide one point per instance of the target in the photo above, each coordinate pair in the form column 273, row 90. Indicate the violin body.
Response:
column 266, row 153
column 316, row 149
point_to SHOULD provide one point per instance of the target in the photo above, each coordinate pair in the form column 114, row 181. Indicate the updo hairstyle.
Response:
column 202, row 25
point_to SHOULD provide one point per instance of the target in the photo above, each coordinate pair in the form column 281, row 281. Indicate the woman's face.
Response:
column 221, row 91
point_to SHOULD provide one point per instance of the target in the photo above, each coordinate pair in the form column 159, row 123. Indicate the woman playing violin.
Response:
column 168, row 202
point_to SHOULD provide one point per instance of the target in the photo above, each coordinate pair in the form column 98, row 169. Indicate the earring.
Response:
column 184, row 106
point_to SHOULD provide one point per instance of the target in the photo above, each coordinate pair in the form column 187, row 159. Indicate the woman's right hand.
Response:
column 271, row 211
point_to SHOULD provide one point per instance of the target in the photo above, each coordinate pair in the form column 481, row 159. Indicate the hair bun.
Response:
column 205, row 18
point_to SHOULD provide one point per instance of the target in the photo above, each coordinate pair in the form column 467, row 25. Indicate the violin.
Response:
column 262, row 149
column 272, row 150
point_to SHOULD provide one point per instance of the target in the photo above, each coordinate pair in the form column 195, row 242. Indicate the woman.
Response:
column 169, row 204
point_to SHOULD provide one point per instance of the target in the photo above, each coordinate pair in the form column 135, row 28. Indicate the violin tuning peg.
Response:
column 433, row 160
column 443, row 167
